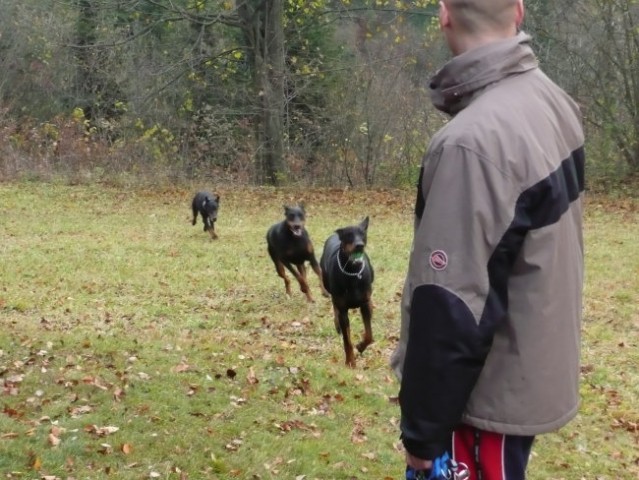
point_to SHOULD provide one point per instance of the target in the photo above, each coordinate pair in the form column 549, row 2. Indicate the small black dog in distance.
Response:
column 348, row 276
column 206, row 204
column 290, row 246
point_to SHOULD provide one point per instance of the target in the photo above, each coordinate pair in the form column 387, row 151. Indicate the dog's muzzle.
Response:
column 296, row 229
column 357, row 257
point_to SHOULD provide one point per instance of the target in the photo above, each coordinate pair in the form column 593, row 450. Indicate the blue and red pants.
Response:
column 491, row 456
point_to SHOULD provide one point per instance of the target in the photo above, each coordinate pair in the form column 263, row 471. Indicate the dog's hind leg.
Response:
column 367, row 313
column 318, row 270
column 341, row 319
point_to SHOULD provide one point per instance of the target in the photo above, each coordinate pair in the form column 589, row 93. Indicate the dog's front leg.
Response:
column 341, row 316
column 367, row 313
column 279, row 266
column 300, row 276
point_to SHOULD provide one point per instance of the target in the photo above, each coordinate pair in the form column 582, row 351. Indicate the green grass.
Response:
column 115, row 311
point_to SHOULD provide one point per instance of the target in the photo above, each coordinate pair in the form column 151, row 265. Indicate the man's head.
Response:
column 468, row 24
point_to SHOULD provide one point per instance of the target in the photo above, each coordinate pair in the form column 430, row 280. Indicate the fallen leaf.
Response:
column 358, row 435
column 11, row 412
column 118, row 393
column 53, row 440
column 126, row 448
column 81, row 410
column 101, row 431
column 94, row 381
column 234, row 445
column 105, row 449
column 14, row 379
column 181, row 368
column 251, row 378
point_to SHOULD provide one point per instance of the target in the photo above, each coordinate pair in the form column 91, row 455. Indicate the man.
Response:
column 489, row 346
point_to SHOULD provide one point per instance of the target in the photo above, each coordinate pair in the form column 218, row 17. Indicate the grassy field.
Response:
column 133, row 347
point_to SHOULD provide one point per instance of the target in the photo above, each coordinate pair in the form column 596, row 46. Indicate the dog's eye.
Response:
column 349, row 238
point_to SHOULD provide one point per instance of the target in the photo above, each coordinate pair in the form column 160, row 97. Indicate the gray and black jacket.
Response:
column 492, row 302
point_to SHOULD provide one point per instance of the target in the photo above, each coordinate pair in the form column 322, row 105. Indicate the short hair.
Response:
column 477, row 16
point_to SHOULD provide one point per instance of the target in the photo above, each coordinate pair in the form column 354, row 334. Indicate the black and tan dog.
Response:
column 290, row 247
column 348, row 276
column 207, row 205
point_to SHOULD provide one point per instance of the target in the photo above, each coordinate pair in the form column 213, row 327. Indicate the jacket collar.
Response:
column 455, row 85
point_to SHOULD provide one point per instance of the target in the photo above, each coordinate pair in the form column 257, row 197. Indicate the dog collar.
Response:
column 351, row 274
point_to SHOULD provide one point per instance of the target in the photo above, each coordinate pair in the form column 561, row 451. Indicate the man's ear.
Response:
column 444, row 15
column 519, row 15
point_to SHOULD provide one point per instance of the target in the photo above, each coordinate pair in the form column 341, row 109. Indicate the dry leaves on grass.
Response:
column 80, row 410
column 126, row 448
column 358, row 435
column 101, row 431
column 55, row 434
column 181, row 367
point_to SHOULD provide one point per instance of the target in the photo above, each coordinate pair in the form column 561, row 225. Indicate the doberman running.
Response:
column 348, row 276
column 290, row 246
column 207, row 205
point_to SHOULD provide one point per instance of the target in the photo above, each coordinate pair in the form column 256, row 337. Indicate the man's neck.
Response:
column 464, row 44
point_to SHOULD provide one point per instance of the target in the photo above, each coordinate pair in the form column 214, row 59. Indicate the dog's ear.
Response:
column 302, row 206
column 364, row 224
column 340, row 232
column 217, row 198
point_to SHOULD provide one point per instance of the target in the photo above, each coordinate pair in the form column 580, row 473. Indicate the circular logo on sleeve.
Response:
column 438, row 260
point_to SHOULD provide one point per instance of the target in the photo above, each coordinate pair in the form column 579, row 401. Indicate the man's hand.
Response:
column 418, row 463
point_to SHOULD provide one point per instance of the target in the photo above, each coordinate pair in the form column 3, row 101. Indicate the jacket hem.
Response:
column 517, row 429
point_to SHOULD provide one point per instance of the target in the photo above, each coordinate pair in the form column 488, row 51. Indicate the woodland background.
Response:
column 275, row 92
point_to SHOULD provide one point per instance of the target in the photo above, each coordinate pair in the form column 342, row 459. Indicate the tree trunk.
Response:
column 86, row 37
column 264, row 33
column 96, row 88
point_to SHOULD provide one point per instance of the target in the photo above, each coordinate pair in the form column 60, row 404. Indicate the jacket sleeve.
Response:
column 467, row 205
